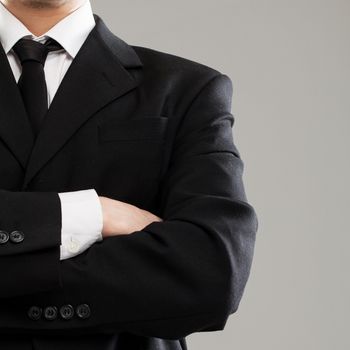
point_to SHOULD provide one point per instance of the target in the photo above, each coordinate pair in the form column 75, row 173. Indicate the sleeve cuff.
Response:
column 82, row 221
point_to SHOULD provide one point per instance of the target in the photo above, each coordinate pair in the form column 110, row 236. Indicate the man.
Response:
column 124, row 222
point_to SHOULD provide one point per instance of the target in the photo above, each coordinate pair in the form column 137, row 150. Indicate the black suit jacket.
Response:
column 148, row 128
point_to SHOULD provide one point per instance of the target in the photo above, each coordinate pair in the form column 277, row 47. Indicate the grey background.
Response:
column 289, row 63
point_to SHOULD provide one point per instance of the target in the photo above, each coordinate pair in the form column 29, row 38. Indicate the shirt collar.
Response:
column 70, row 32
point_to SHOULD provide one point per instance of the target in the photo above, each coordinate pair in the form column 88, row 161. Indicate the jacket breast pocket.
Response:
column 130, row 157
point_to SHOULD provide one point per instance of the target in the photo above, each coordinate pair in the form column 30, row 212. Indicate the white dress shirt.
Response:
column 82, row 219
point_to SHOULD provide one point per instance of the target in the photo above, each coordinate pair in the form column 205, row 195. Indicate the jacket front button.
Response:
column 4, row 237
column 67, row 311
column 83, row 311
column 34, row 312
column 16, row 236
column 50, row 312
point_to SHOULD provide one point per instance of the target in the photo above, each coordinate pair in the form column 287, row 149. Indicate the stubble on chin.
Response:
column 42, row 4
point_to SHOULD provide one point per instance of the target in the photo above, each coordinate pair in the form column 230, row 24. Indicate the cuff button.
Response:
column 50, row 312
column 83, row 311
column 34, row 312
column 73, row 246
column 16, row 236
column 67, row 311
column 4, row 237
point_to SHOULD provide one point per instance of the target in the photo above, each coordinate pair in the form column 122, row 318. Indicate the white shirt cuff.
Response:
column 82, row 221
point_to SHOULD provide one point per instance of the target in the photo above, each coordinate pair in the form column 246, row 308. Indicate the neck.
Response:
column 40, row 16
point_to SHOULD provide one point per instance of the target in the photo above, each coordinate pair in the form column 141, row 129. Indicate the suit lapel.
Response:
column 15, row 129
column 96, row 76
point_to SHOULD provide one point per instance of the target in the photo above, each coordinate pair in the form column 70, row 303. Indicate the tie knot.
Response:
column 31, row 50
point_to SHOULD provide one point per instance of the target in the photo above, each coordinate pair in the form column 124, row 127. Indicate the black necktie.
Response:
column 31, row 83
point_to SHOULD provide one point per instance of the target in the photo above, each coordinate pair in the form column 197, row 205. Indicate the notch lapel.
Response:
column 96, row 76
column 15, row 128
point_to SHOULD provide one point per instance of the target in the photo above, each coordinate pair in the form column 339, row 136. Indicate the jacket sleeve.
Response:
column 30, row 238
column 183, row 275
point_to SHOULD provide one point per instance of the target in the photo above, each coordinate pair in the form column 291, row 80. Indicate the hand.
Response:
column 120, row 218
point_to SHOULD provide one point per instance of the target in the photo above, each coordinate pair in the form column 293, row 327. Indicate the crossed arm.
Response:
column 185, row 273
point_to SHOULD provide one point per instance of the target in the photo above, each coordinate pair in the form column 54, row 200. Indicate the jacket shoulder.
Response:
column 180, row 80
column 170, row 63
